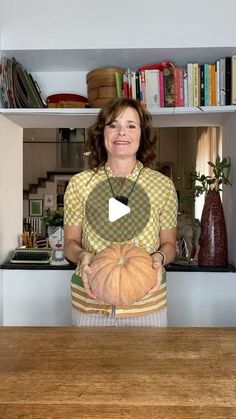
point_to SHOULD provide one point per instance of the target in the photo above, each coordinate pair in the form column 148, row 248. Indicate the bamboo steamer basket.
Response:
column 102, row 85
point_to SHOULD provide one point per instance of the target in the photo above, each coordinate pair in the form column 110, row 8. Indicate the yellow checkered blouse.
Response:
column 163, row 215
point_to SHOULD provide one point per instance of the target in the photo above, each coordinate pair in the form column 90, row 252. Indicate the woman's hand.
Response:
column 157, row 265
column 86, row 271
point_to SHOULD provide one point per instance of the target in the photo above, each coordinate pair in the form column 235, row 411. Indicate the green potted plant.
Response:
column 213, row 240
column 221, row 171
column 54, row 218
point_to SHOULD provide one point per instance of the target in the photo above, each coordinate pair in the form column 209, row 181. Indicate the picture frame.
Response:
column 166, row 168
column 35, row 207
column 49, row 200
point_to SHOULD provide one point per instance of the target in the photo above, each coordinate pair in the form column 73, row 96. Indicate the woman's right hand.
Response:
column 86, row 271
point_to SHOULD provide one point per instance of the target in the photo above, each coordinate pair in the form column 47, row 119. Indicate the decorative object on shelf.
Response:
column 35, row 207
column 49, row 200
column 213, row 239
column 18, row 87
column 102, row 85
column 66, row 100
column 54, row 221
column 188, row 234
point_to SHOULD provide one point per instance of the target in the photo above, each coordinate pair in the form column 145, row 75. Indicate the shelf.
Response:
column 51, row 118
column 83, row 118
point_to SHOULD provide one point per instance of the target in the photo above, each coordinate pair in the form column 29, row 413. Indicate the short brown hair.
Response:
column 107, row 115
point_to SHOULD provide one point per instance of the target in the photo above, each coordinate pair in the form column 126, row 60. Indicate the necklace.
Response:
column 121, row 198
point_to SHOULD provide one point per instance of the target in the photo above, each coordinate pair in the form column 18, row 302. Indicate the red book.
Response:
column 178, row 86
column 157, row 66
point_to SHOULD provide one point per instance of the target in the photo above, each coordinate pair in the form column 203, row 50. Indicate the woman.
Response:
column 121, row 144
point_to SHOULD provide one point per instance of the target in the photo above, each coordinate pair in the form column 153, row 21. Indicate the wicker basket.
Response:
column 102, row 85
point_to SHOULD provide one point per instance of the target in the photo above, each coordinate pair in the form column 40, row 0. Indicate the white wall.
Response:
column 201, row 299
column 104, row 24
column 11, row 185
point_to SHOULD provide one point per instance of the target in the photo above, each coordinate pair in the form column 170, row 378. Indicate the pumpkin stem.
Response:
column 121, row 261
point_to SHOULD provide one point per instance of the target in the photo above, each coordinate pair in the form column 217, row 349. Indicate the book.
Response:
column 202, row 92
column 162, row 90
column 157, row 66
column 152, row 88
column 143, row 98
column 185, row 77
column 119, row 83
column 168, row 75
column 206, row 84
column 217, row 72
column 222, row 81
column 190, row 84
column 196, row 84
column 133, row 84
column 233, row 80
column 178, row 74
column 213, row 84
column 228, row 81
column 137, row 85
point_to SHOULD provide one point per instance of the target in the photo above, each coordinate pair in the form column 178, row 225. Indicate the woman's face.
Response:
column 122, row 137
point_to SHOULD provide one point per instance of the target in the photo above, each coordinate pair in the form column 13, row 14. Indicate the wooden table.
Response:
column 108, row 373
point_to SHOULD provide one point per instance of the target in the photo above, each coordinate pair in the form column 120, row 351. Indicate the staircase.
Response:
column 42, row 181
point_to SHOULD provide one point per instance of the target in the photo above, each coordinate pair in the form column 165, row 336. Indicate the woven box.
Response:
column 102, row 85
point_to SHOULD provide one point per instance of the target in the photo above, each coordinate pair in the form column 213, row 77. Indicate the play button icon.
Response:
column 110, row 217
column 117, row 210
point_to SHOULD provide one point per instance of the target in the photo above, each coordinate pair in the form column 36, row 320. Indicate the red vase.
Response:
column 213, row 240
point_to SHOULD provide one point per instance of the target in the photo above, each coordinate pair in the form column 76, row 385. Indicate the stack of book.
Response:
column 17, row 86
column 167, row 85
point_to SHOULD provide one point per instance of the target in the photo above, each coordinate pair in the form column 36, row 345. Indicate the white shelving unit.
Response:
column 60, row 55
column 83, row 118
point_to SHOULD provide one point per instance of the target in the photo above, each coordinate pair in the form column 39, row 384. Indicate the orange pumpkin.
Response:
column 122, row 274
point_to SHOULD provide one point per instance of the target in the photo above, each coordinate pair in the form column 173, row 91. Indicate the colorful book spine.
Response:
column 137, row 85
column 222, row 81
column 152, row 88
column 143, row 88
column 162, row 91
column 196, row 84
column 169, row 87
column 190, row 84
column 228, row 81
column 213, row 84
column 178, row 74
column 202, row 85
column 185, row 75
column 133, row 85
column 233, row 83
column 206, row 84
column 217, row 72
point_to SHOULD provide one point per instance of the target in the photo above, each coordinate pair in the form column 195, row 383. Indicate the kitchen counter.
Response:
column 107, row 373
column 172, row 267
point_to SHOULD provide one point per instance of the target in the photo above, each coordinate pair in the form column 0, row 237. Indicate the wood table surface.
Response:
column 106, row 373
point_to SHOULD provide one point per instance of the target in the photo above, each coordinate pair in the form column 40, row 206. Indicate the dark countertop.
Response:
column 172, row 267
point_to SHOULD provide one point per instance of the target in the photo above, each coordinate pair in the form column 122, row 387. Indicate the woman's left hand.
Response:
column 157, row 265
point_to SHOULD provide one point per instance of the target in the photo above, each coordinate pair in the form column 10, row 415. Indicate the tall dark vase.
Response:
column 213, row 240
